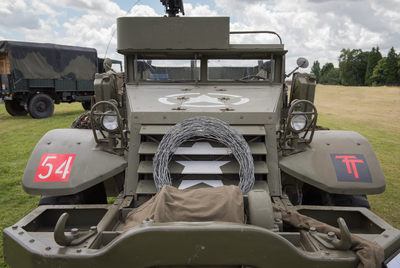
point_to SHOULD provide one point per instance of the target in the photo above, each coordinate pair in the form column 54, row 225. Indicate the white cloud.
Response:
column 39, row 7
column 16, row 14
column 9, row 6
column 319, row 29
column 316, row 29
column 43, row 33
column 143, row 11
column 199, row 10
column 105, row 7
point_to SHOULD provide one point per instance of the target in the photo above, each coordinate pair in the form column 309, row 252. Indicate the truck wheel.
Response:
column 93, row 195
column 14, row 109
column 41, row 106
column 87, row 105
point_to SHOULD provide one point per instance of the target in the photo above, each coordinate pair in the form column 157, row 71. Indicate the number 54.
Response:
column 54, row 167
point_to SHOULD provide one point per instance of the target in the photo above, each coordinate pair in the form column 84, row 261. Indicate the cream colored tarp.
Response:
column 223, row 203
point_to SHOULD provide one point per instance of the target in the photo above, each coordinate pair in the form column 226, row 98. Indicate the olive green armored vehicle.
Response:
column 211, row 160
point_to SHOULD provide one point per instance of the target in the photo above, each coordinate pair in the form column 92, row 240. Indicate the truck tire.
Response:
column 14, row 109
column 87, row 105
column 41, row 106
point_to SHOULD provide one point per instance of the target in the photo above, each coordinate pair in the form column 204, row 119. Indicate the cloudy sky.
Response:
column 315, row 29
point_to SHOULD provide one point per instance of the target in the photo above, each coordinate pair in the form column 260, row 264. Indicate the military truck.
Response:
column 34, row 76
column 198, row 115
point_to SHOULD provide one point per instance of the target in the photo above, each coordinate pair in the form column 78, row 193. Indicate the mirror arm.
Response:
column 287, row 75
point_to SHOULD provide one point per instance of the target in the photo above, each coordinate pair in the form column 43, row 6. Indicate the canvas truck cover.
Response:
column 49, row 61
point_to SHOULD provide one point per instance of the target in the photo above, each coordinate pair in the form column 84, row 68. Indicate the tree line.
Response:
column 360, row 68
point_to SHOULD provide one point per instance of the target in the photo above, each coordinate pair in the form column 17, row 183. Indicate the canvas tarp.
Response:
column 371, row 255
column 223, row 203
column 49, row 61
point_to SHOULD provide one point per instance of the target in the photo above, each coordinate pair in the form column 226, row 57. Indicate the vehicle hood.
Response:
column 234, row 104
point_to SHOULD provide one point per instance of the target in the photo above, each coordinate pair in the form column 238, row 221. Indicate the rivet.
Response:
column 32, row 240
column 21, row 233
column 15, row 227
column 78, row 142
column 358, row 143
column 328, row 144
column 386, row 235
column 74, row 230
column 93, row 228
column 47, row 248
column 313, row 229
column 331, row 235
column 79, row 250
column 49, row 142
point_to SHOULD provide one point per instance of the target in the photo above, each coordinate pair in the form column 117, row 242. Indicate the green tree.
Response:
column 378, row 77
column 316, row 69
column 352, row 67
column 398, row 64
column 329, row 74
column 373, row 57
column 391, row 68
column 332, row 77
column 325, row 69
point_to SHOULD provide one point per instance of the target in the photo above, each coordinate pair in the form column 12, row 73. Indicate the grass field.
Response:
column 373, row 112
column 20, row 135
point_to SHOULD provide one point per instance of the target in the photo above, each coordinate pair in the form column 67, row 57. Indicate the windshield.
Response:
column 168, row 70
column 242, row 69
column 171, row 70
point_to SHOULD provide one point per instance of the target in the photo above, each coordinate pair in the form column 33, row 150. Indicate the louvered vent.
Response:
column 199, row 162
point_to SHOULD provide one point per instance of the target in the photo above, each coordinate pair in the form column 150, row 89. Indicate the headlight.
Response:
column 109, row 122
column 298, row 123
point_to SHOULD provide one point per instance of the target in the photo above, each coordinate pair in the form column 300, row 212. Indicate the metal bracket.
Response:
column 331, row 241
column 75, row 237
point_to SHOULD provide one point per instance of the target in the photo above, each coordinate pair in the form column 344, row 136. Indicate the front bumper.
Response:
column 30, row 243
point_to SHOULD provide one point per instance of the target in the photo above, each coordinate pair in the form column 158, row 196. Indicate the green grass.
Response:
column 19, row 136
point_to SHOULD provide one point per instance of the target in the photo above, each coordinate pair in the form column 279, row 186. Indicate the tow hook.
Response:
column 75, row 237
column 331, row 241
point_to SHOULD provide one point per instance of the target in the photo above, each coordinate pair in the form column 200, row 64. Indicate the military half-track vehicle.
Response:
column 197, row 112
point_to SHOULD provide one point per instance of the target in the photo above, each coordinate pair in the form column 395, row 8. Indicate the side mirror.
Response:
column 302, row 62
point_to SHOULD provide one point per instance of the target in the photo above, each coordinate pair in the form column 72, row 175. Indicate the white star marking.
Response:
column 202, row 99
column 189, row 183
column 202, row 148
column 202, row 167
column 166, row 101
column 242, row 99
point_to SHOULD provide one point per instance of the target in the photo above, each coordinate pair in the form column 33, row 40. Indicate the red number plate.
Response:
column 54, row 167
